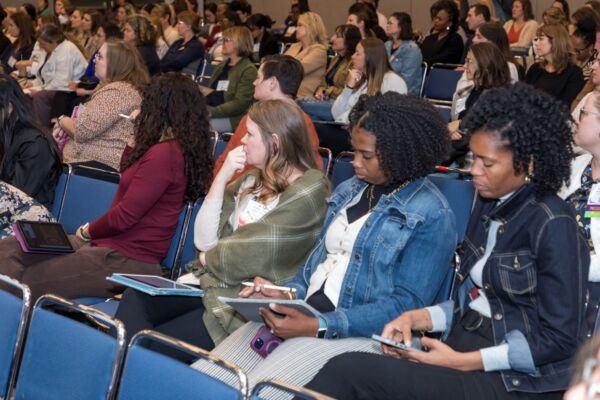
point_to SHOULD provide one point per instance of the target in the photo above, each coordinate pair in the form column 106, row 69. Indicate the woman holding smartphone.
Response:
column 263, row 223
column 506, row 334
column 385, row 247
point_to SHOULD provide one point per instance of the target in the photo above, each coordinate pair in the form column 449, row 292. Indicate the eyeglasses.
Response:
column 469, row 61
column 98, row 57
column 583, row 113
column 579, row 51
column 227, row 39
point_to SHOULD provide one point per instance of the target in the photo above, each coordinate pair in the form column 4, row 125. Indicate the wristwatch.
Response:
column 322, row 330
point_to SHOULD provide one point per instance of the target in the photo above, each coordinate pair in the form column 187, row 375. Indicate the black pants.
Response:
column 176, row 316
column 372, row 376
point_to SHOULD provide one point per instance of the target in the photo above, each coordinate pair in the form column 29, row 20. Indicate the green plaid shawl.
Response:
column 275, row 247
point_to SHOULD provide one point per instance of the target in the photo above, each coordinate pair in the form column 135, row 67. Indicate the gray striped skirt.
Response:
column 294, row 361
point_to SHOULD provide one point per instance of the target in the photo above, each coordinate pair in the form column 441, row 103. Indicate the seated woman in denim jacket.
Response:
column 515, row 321
column 385, row 247
column 405, row 54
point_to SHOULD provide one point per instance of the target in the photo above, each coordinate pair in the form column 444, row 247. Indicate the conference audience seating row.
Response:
column 70, row 351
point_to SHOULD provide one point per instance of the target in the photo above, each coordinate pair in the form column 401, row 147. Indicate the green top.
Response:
column 240, row 92
column 274, row 247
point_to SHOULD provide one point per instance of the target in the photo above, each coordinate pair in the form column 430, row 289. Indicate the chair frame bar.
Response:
column 304, row 393
column 21, row 331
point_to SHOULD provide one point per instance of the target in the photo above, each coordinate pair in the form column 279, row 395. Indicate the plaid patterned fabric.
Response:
column 274, row 247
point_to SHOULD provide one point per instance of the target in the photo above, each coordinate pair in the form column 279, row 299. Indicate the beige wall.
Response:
column 334, row 11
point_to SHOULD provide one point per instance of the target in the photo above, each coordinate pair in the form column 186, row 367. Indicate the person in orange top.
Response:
column 279, row 77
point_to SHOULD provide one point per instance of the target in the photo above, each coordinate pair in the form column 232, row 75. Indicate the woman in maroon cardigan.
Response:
column 170, row 162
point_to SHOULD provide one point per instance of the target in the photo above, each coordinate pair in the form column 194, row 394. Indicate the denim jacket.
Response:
column 534, row 280
column 406, row 62
column 398, row 261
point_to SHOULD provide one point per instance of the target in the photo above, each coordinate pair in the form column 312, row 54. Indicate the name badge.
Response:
column 11, row 62
column 592, row 209
column 222, row 86
column 252, row 213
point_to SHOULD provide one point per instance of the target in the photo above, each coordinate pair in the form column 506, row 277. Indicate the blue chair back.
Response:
column 444, row 112
column 342, row 168
column 14, row 315
column 171, row 261
column 188, row 252
column 441, row 83
column 89, row 194
column 194, row 68
column 207, row 70
column 150, row 375
column 220, row 148
column 460, row 195
column 64, row 358
column 60, row 191
column 326, row 157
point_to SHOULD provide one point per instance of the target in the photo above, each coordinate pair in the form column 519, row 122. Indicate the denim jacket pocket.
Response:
column 517, row 274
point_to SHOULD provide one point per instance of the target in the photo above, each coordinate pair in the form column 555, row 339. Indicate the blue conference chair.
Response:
column 441, row 83
column 14, row 315
column 342, row 168
column 460, row 195
column 150, row 375
column 68, row 359
column 274, row 387
column 89, row 194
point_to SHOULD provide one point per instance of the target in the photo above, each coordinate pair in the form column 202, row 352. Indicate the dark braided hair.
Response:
column 534, row 126
column 411, row 136
column 173, row 106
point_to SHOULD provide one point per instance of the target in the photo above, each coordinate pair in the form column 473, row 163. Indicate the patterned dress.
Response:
column 579, row 200
column 16, row 205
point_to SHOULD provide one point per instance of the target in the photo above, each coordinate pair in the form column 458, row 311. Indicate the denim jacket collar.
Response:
column 401, row 197
column 509, row 208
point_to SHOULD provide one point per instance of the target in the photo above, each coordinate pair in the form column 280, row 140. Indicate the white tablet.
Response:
column 249, row 307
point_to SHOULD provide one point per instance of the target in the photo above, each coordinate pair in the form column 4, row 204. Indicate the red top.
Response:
column 144, row 213
column 513, row 34
column 240, row 132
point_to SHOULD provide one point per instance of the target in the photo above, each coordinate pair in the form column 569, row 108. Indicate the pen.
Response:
column 125, row 116
column 274, row 287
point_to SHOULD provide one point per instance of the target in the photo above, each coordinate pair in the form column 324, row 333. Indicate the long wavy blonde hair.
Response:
column 292, row 151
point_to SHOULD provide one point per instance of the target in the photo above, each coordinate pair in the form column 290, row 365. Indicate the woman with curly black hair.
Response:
column 506, row 333
column 443, row 44
column 169, row 162
column 385, row 247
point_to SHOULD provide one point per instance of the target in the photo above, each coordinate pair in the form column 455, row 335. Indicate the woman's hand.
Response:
column 259, row 291
column 401, row 329
column 235, row 162
column 353, row 78
column 320, row 94
column 453, row 128
column 442, row 355
column 294, row 323
column 72, row 85
column 83, row 233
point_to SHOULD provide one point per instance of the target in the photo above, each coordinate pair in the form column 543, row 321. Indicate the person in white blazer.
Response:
column 64, row 63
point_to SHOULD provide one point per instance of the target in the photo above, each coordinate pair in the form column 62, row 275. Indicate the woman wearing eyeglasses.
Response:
column 584, row 191
column 99, row 133
column 516, row 316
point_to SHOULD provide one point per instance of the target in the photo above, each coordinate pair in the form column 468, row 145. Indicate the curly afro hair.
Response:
column 172, row 105
column 535, row 126
column 411, row 135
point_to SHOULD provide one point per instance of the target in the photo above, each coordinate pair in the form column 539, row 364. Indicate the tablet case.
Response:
column 51, row 247
column 182, row 290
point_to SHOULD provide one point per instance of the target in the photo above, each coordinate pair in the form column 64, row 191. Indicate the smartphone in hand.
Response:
column 415, row 347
